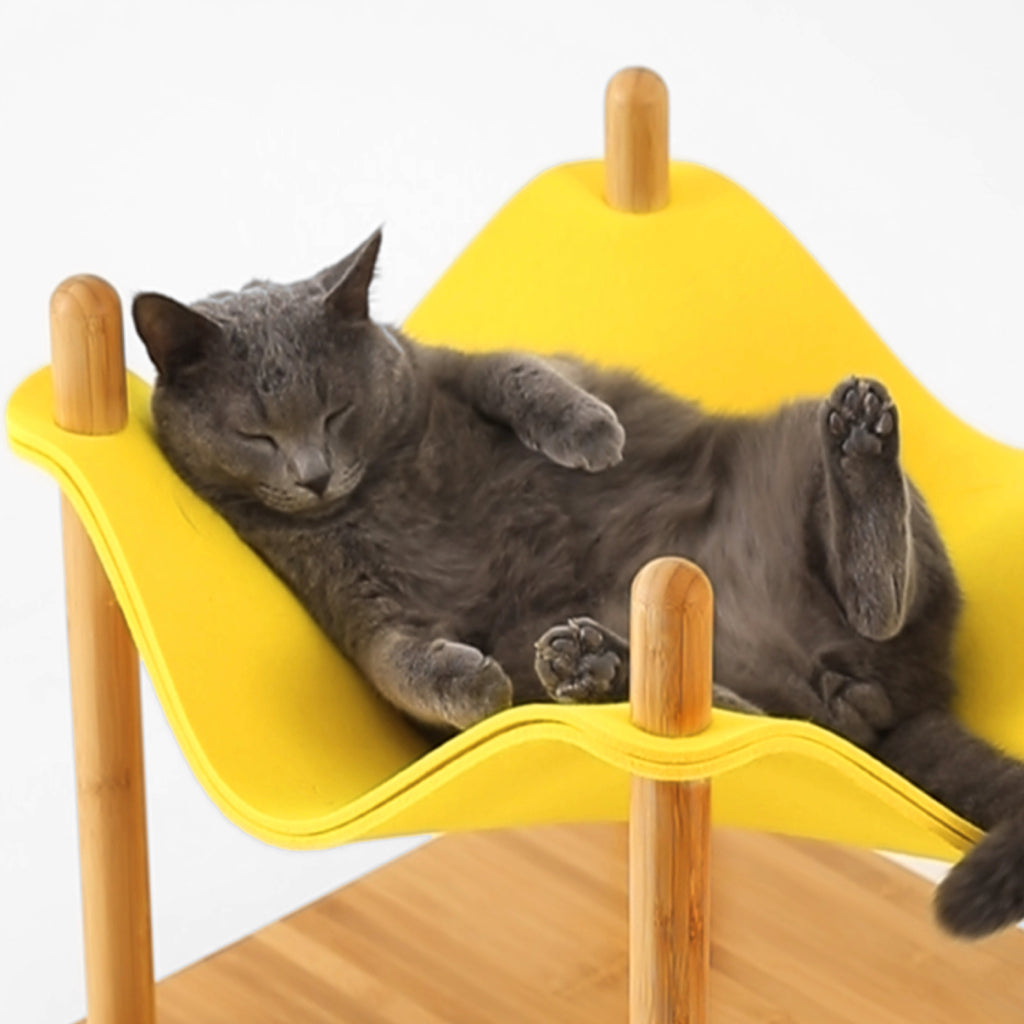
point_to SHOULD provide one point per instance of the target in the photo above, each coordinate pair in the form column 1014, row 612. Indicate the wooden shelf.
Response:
column 531, row 926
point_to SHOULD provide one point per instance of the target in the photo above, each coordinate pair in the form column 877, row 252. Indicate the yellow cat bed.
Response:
column 710, row 297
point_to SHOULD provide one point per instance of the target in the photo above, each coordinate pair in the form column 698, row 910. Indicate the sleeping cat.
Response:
column 466, row 527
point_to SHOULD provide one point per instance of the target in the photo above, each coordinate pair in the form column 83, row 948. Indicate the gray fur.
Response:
column 466, row 527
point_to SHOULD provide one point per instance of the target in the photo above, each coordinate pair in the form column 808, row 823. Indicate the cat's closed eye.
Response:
column 333, row 420
column 262, row 441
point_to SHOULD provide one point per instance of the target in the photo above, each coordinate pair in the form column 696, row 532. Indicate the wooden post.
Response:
column 670, row 822
column 90, row 398
column 636, row 141
column 670, row 662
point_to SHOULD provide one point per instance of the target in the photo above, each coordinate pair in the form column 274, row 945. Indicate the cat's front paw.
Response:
column 582, row 662
column 471, row 685
column 588, row 436
column 860, row 419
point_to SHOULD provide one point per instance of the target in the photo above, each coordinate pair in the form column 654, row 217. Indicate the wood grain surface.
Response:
column 670, row 640
column 530, row 927
column 89, row 397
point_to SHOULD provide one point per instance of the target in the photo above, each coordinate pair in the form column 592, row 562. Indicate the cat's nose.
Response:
column 317, row 484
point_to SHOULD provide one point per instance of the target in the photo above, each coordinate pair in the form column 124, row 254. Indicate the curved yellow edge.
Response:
column 711, row 297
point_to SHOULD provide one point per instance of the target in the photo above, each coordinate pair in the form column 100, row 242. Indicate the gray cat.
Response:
column 465, row 528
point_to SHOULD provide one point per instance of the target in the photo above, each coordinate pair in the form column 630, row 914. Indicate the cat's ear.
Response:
column 175, row 336
column 348, row 282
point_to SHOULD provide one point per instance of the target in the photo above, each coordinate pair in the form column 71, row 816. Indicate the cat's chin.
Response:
column 319, row 509
column 323, row 508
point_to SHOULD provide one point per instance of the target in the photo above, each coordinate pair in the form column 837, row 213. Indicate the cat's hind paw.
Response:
column 856, row 709
column 860, row 419
column 581, row 662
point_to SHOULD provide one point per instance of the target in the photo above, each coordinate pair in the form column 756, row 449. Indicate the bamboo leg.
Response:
column 89, row 398
column 670, row 662
column 670, row 822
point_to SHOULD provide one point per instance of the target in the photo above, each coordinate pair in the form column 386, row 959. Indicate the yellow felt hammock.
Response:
column 709, row 296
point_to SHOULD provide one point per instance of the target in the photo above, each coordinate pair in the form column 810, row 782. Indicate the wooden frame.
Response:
column 671, row 672
column 90, row 398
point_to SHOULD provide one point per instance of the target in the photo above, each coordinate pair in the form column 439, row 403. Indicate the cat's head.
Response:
column 279, row 393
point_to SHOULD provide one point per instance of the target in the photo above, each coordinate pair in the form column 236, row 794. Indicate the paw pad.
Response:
column 579, row 662
column 861, row 417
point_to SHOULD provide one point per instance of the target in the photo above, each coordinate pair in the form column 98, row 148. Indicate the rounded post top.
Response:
column 637, row 86
column 87, row 351
column 672, row 583
column 671, row 621
column 636, row 141
column 86, row 294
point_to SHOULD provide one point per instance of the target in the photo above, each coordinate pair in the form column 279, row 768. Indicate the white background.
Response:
column 191, row 146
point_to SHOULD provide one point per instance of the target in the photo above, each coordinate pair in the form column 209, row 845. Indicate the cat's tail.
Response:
column 985, row 890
